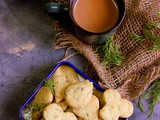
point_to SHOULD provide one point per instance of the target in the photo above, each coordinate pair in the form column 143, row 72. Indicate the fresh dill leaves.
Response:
column 137, row 38
column 33, row 107
column 148, row 34
column 49, row 84
column 153, row 97
column 38, row 106
column 110, row 52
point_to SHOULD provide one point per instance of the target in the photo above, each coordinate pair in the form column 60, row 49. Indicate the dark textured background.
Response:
column 26, row 56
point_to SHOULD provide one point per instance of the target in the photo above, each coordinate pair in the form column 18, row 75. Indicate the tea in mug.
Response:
column 96, row 16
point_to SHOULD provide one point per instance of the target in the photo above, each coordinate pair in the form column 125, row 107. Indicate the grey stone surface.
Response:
column 26, row 56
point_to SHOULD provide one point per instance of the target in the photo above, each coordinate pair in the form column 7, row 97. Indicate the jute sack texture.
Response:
column 141, row 65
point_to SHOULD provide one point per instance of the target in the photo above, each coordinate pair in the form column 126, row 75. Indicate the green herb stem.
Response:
column 148, row 34
column 110, row 52
column 49, row 84
column 153, row 97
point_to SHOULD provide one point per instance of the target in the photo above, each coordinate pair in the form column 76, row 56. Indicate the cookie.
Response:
column 59, row 79
column 115, row 106
column 60, row 91
column 90, row 111
column 126, row 108
column 43, row 97
column 53, row 112
column 99, row 95
column 68, row 116
column 68, row 72
column 59, row 87
column 78, row 95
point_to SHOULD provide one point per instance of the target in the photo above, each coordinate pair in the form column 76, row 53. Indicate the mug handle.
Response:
column 56, row 10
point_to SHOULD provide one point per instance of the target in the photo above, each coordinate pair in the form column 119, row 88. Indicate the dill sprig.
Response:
column 49, row 84
column 33, row 107
column 110, row 52
column 148, row 34
column 37, row 106
column 153, row 97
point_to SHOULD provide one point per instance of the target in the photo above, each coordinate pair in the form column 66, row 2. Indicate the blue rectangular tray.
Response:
column 50, row 74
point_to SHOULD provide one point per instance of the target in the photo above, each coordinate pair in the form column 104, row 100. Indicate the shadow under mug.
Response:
column 64, row 12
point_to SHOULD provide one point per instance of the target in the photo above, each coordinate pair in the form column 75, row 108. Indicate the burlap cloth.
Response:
column 141, row 65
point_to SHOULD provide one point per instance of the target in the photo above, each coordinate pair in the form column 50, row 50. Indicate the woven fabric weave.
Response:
column 141, row 65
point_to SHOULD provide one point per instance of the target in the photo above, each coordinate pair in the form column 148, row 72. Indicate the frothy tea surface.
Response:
column 96, row 16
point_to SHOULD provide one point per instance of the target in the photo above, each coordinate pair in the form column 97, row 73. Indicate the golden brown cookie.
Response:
column 78, row 95
column 115, row 107
column 43, row 97
column 126, row 108
column 53, row 112
column 60, row 90
column 90, row 111
column 99, row 95
column 60, row 86
column 68, row 72
column 59, row 79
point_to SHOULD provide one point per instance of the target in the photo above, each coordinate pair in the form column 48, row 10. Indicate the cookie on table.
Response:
column 115, row 106
column 43, row 97
column 78, row 95
column 53, row 112
column 90, row 111
column 68, row 116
